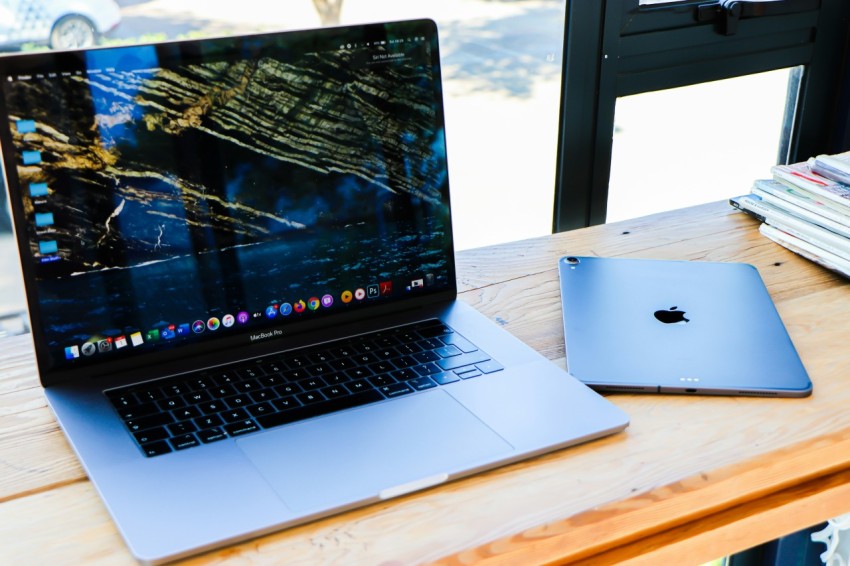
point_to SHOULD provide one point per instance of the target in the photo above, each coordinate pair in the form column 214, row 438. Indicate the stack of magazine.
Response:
column 806, row 208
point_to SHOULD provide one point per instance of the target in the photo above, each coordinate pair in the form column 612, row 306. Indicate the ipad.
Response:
column 689, row 327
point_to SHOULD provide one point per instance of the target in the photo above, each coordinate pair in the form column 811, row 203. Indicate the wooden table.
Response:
column 691, row 479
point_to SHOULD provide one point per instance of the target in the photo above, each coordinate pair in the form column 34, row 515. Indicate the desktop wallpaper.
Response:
column 162, row 195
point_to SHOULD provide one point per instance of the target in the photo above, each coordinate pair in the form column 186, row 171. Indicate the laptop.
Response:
column 689, row 327
column 240, row 273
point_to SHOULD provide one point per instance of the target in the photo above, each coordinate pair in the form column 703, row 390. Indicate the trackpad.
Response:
column 353, row 456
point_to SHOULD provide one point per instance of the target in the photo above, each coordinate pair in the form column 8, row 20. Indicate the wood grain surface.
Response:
column 691, row 479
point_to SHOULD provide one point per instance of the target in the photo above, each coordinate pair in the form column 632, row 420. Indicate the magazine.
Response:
column 801, row 175
column 805, row 208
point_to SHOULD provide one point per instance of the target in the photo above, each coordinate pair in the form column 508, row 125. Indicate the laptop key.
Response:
column 427, row 369
column 237, row 401
column 448, row 351
column 172, row 403
column 411, row 348
column 273, row 367
column 156, row 448
column 335, row 391
column 191, row 412
column 437, row 330
column 359, row 385
column 295, row 374
column 490, row 366
column 123, row 399
column 321, row 408
column 312, row 383
column 459, row 342
column 463, row 360
column 150, row 395
column 468, row 373
column 222, row 391
column 234, row 416
column 179, row 429
column 309, row 397
column 421, row 383
column 224, row 377
column 381, row 380
column 335, row 378
column 211, row 435
column 405, row 362
column 444, row 377
column 386, row 353
column 251, row 372
column 151, row 435
column 143, row 423
column 426, row 356
column 137, row 411
column 404, row 374
column 395, row 390
column 175, row 389
column 212, row 407
column 183, row 442
column 208, row 422
column 358, row 373
column 318, row 370
column 264, row 395
column 200, row 383
column 381, row 367
column 430, row 344
column 288, row 389
column 241, row 427
column 272, row 380
column 260, row 409
column 247, row 385
column 286, row 403
column 199, row 396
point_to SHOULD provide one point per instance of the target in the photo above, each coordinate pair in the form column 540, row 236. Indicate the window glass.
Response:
column 695, row 144
column 501, row 72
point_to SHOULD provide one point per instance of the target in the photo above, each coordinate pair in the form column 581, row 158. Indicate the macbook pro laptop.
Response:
column 240, row 273
column 691, row 327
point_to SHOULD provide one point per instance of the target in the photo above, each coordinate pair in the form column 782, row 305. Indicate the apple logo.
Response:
column 672, row 316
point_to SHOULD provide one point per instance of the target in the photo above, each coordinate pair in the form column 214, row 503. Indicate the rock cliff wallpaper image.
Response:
column 180, row 192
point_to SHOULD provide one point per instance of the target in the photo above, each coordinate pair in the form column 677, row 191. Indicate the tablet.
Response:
column 690, row 327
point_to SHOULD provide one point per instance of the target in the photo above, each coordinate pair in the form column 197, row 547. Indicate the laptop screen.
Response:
column 175, row 195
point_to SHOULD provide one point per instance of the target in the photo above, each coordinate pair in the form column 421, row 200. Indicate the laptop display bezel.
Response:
column 225, row 345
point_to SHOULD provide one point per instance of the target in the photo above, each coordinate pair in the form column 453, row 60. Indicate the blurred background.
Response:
column 502, row 62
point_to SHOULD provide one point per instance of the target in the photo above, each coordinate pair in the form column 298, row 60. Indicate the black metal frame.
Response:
column 616, row 48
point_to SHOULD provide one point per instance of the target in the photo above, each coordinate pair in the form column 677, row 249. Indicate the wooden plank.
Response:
column 34, row 454
column 739, row 528
column 678, row 513
column 65, row 525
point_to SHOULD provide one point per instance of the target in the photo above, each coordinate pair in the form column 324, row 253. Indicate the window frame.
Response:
column 615, row 48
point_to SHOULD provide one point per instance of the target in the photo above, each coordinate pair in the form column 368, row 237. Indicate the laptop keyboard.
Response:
column 199, row 408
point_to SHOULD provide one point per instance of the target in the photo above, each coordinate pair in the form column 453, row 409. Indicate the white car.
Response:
column 62, row 24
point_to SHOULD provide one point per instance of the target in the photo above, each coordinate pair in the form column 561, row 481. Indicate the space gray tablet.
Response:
column 693, row 327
